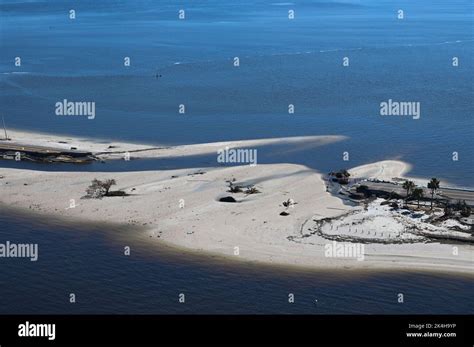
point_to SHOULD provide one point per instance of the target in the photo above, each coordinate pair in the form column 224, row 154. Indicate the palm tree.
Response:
column 434, row 186
column 418, row 195
column 408, row 185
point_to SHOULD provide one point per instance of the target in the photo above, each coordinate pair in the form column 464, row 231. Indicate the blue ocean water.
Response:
column 282, row 62
column 89, row 261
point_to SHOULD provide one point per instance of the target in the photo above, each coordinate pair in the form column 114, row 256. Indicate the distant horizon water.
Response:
column 282, row 62
column 237, row 69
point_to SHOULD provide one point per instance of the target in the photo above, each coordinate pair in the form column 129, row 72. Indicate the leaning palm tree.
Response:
column 418, row 195
column 433, row 185
column 408, row 186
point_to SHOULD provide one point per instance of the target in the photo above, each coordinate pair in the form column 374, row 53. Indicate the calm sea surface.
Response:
column 190, row 62
column 282, row 62
column 89, row 262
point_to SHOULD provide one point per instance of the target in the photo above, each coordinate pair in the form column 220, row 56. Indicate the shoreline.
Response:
column 114, row 150
column 100, row 147
column 208, row 226
column 175, row 252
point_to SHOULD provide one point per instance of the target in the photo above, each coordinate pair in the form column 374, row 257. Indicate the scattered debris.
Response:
column 197, row 173
column 289, row 203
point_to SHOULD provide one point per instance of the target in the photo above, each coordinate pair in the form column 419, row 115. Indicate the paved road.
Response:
column 443, row 193
column 18, row 147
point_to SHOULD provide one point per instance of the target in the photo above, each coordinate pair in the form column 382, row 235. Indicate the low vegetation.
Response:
column 341, row 176
column 99, row 189
column 233, row 188
column 418, row 194
column 251, row 190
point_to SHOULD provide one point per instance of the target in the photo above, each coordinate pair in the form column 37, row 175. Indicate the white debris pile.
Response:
column 382, row 223
column 452, row 223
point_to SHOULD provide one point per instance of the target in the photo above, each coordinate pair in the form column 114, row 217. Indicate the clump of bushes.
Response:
column 465, row 210
column 234, row 188
column 252, row 190
column 448, row 211
column 98, row 189
column 363, row 189
column 341, row 176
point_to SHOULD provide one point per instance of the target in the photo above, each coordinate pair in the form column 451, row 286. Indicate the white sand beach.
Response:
column 182, row 207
